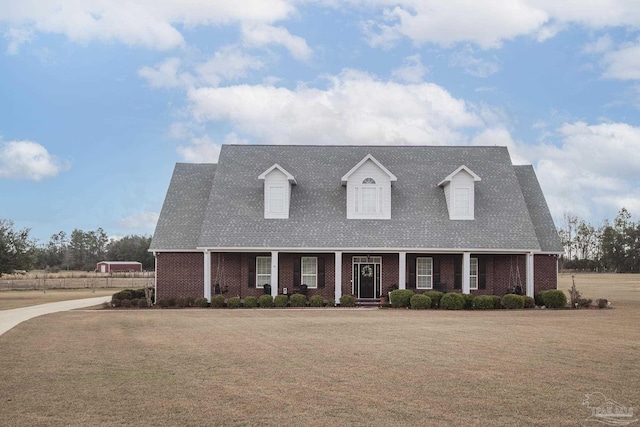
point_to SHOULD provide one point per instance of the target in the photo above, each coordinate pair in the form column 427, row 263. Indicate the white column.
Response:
column 402, row 270
column 274, row 273
column 338, row 278
column 207, row 275
column 466, row 271
column 530, row 289
column 155, row 277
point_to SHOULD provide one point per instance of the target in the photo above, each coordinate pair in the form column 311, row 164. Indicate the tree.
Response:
column 16, row 249
column 131, row 248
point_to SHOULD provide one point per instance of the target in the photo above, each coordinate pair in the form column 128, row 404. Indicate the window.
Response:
column 424, row 273
column 473, row 273
column 276, row 199
column 263, row 271
column 461, row 202
column 309, row 271
column 368, row 198
column 368, row 181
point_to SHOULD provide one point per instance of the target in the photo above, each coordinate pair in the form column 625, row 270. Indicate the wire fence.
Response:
column 76, row 280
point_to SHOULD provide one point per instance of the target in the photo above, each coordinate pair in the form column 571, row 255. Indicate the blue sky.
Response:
column 100, row 98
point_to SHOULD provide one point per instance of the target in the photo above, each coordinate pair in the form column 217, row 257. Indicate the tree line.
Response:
column 80, row 250
column 611, row 246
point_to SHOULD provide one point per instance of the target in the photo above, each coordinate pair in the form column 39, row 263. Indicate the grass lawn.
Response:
column 325, row 367
column 16, row 299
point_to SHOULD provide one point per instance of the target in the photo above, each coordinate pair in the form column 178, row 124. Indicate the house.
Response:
column 335, row 220
column 114, row 266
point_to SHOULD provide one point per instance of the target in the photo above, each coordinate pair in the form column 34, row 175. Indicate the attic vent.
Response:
column 368, row 181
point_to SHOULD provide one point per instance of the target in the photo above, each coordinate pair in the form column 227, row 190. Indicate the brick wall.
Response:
column 180, row 274
column 545, row 272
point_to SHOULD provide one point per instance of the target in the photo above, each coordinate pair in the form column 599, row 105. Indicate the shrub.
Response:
column 585, row 302
column 420, row 302
column 185, row 301
column 316, row 301
column 539, row 297
column 602, row 303
column 233, row 302
column 452, row 301
column 217, row 301
column 298, row 300
column 435, row 298
column 497, row 301
column 142, row 303
column 347, row 301
column 201, row 302
column 468, row 301
column 554, row 299
column 116, row 302
column 529, row 302
column 164, row 303
column 250, row 302
column 125, row 294
column 483, row 302
column 265, row 301
column 125, row 303
column 281, row 300
column 330, row 303
column 401, row 298
column 512, row 301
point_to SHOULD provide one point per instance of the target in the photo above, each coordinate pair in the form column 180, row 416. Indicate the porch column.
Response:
column 466, row 271
column 530, row 289
column 155, row 276
column 274, row 273
column 207, row 275
column 402, row 270
column 338, row 278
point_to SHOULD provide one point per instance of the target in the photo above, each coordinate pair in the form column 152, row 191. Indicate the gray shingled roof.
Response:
column 234, row 217
column 184, row 207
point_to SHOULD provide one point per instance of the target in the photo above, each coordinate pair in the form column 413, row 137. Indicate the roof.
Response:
column 182, row 213
column 233, row 216
column 368, row 157
column 449, row 177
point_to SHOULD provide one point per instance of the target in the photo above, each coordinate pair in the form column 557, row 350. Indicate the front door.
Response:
column 367, row 288
column 367, row 272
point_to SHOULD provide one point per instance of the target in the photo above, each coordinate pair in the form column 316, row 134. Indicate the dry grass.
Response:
column 17, row 299
column 322, row 367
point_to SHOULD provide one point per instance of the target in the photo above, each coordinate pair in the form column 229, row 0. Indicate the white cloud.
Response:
column 28, row 160
column 624, row 63
column 205, row 150
column 17, row 37
column 356, row 108
column 140, row 220
column 263, row 35
column 601, row 45
column 166, row 74
column 228, row 63
column 413, row 71
column 473, row 65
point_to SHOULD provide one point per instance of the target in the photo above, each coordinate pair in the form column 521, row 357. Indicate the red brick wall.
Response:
column 180, row 274
column 545, row 272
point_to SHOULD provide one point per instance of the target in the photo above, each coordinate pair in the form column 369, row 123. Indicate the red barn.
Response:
column 113, row 266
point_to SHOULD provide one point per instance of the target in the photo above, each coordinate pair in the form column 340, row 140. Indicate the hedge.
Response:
column 233, row 302
column 512, row 301
column 401, row 298
column 298, row 300
column 420, row 302
column 265, row 301
column 554, row 299
column 217, row 301
column 250, row 302
column 316, row 301
column 281, row 300
column 347, row 301
column 483, row 302
column 452, row 301
column 435, row 298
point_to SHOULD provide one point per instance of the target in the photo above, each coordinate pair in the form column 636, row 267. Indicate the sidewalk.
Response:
column 11, row 318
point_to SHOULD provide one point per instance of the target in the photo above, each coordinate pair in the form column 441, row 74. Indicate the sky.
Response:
column 100, row 98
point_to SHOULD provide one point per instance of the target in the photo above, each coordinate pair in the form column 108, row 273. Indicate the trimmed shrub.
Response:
column 134, row 302
column 452, row 301
column 512, row 301
column 233, row 302
column 539, row 298
column 401, row 298
column 483, row 302
column 217, row 301
column 125, row 303
column 185, row 302
column 316, row 301
column 142, row 303
column 201, row 302
column 330, row 303
column 497, row 301
column 602, row 303
column 554, row 299
column 420, row 302
column 298, row 300
column 468, row 301
column 250, row 302
column 585, row 302
column 124, row 294
column 347, row 301
column 281, row 300
column 265, row 301
column 116, row 302
column 163, row 303
column 435, row 298
column 529, row 302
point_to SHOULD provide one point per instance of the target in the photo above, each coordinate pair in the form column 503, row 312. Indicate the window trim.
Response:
column 467, row 212
column 260, row 283
column 473, row 262
column 430, row 276
column 303, row 274
column 271, row 199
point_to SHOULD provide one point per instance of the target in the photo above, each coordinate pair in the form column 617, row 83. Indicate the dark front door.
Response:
column 367, row 288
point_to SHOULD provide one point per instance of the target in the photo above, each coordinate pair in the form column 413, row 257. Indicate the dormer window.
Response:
column 459, row 192
column 368, row 190
column 277, row 192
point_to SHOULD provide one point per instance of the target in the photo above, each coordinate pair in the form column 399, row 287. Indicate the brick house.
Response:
column 335, row 220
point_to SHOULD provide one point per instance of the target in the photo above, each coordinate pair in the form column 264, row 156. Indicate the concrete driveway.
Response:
column 10, row 318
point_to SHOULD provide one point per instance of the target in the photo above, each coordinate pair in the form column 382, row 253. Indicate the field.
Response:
column 39, row 280
column 325, row 366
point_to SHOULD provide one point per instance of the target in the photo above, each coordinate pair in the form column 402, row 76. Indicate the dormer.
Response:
column 277, row 192
column 368, row 190
column 459, row 190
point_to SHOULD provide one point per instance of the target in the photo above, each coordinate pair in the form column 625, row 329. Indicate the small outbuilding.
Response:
column 116, row 266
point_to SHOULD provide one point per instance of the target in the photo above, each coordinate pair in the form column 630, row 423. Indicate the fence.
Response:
column 76, row 280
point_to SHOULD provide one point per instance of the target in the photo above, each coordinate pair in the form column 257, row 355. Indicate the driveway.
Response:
column 10, row 318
